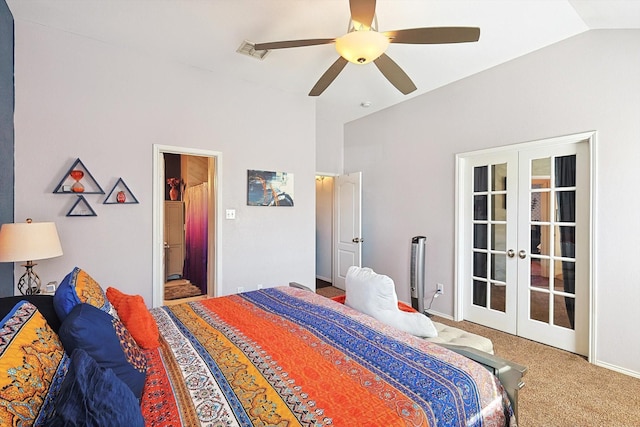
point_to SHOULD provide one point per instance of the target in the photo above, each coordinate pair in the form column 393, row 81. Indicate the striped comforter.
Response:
column 288, row 357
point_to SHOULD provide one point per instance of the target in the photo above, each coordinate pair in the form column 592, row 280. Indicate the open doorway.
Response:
column 186, row 227
column 324, row 231
column 185, row 224
column 338, row 227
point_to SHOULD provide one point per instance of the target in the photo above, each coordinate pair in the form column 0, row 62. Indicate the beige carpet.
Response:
column 561, row 389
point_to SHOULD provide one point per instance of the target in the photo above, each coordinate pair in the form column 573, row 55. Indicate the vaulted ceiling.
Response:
column 207, row 33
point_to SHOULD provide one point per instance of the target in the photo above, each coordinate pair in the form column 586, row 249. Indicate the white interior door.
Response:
column 524, row 226
column 491, row 233
column 553, row 255
column 347, row 228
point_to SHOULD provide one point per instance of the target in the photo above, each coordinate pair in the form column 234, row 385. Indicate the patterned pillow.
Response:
column 76, row 288
column 107, row 341
column 136, row 317
column 31, row 359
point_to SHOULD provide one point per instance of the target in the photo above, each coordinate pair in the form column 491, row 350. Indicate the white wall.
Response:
column 588, row 82
column 329, row 140
column 79, row 98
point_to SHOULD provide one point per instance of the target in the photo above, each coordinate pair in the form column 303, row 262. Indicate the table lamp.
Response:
column 29, row 241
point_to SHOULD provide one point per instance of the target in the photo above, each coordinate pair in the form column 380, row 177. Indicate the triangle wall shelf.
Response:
column 81, row 208
column 78, row 180
column 120, row 194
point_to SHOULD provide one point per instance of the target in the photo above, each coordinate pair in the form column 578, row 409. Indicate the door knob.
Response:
column 511, row 253
column 357, row 240
column 522, row 254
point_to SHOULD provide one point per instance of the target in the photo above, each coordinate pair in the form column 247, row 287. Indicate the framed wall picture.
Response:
column 266, row 188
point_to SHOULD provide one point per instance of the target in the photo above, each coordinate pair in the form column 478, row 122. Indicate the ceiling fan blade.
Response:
column 328, row 76
column 434, row 35
column 291, row 43
column 394, row 74
column 362, row 11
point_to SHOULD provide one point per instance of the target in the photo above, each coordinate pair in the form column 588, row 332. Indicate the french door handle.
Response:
column 511, row 253
column 357, row 240
column 522, row 254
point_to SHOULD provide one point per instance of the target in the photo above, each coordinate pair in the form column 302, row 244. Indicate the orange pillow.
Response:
column 136, row 317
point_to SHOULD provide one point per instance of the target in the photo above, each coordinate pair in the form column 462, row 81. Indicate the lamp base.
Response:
column 29, row 283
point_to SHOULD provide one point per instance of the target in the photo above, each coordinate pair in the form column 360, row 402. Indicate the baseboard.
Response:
column 617, row 369
column 324, row 279
column 436, row 313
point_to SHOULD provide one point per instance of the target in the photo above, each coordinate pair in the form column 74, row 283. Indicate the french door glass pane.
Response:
column 499, row 207
column 566, row 206
column 480, row 208
column 480, row 293
column 480, row 236
column 566, row 275
column 566, row 171
column 499, row 237
column 539, row 206
column 480, row 264
column 480, row 178
column 499, row 177
column 563, row 311
column 540, row 169
column 565, row 240
column 499, row 267
column 539, row 307
column 540, row 239
column 498, row 297
column 539, row 273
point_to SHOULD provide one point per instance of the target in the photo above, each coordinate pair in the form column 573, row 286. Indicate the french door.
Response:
column 525, row 238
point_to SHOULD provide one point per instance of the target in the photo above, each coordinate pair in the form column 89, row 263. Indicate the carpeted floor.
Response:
column 561, row 389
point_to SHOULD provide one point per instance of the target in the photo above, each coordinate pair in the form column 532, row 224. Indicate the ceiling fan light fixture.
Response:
column 362, row 47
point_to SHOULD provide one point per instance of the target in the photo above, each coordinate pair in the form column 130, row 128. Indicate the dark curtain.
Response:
column 566, row 177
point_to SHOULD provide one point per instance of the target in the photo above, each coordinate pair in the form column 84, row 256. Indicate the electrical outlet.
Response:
column 240, row 289
column 440, row 289
column 259, row 287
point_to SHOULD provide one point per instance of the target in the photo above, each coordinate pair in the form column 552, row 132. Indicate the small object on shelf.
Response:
column 120, row 194
column 77, row 175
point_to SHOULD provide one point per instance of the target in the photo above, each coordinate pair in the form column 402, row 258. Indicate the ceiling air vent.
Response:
column 247, row 48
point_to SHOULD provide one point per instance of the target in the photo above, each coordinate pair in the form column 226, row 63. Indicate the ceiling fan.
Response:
column 363, row 44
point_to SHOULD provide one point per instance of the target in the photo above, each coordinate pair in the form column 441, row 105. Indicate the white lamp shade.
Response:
column 29, row 241
column 362, row 47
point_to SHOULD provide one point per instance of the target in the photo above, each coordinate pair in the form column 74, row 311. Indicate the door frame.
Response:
column 157, row 248
column 460, row 237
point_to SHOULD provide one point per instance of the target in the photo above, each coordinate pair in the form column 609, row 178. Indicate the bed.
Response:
column 274, row 357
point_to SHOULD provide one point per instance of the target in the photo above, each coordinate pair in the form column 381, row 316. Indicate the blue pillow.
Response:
column 76, row 288
column 107, row 341
column 94, row 397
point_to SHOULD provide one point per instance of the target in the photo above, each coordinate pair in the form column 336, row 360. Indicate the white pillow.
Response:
column 375, row 294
